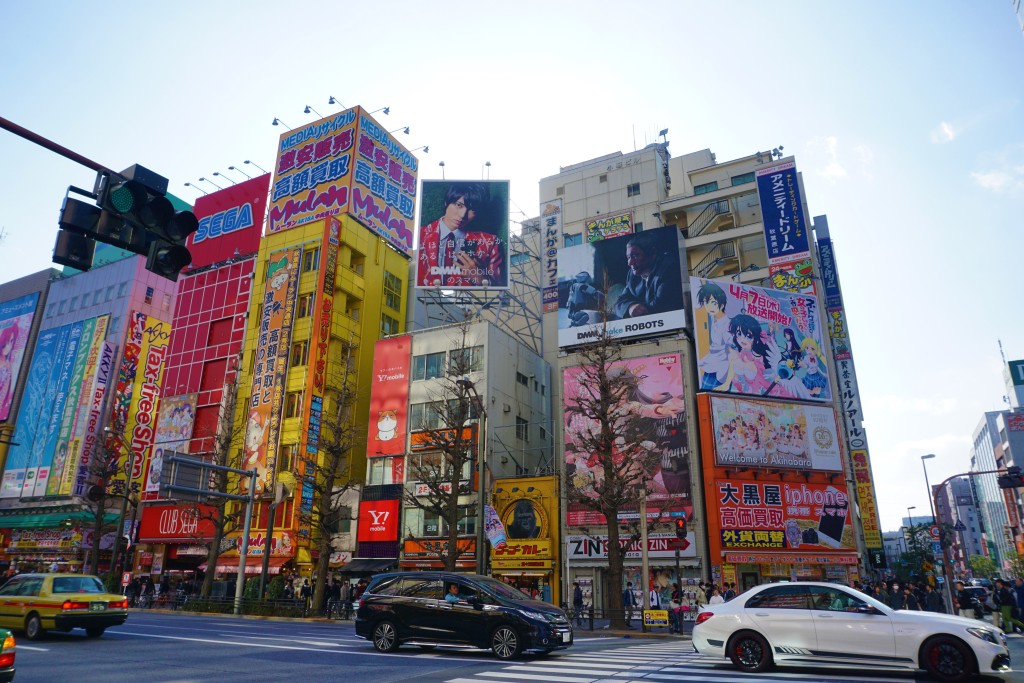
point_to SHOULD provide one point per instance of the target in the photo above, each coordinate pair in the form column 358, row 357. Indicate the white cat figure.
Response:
column 386, row 425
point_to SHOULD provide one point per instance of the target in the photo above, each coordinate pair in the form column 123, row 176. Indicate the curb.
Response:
column 230, row 615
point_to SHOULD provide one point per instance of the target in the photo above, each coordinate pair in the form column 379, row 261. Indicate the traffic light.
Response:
column 75, row 246
column 680, row 523
column 1014, row 478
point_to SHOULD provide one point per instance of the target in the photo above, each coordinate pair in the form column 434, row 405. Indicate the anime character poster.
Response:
column 15, row 323
column 756, row 341
column 173, row 429
column 656, row 394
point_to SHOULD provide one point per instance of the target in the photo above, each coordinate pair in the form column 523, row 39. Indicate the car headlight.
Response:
column 535, row 615
column 984, row 634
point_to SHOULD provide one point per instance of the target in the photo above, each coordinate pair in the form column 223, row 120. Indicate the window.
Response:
column 472, row 409
column 300, row 353
column 543, row 434
column 343, row 524
column 833, row 600
column 388, row 325
column 572, row 240
column 304, row 309
column 467, row 522
column 559, row 191
column 706, row 187
column 428, row 366
column 149, row 295
column 62, row 307
column 286, row 457
column 603, row 178
column 293, row 404
column 311, row 260
column 110, row 293
column 466, row 360
column 427, row 589
column 633, row 190
column 522, row 379
column 639, row 226
column 392, row 291
column 522, row 429
column 431, row 524
column 73, row 304
column 742, row 179
column 425, row 415
column 122, row 290
column 781, row 597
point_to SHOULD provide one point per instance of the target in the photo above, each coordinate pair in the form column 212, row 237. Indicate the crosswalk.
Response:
column 653, row 663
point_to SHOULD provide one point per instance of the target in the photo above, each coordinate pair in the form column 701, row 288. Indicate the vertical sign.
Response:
column 81, row 416
column 70, row 412
column 785, row 230
column 15, row 323
column 41, row 473
column 89, row 439
column 551, row 227
column 389, row 397
column 268, row 379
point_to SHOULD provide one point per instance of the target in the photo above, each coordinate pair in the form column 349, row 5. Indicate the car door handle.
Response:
column 824, row 616
column 761, row 614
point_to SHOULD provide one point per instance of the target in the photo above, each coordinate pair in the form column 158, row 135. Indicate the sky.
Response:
column 905, row 120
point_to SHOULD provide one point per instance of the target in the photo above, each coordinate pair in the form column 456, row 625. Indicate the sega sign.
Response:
column 237, row 211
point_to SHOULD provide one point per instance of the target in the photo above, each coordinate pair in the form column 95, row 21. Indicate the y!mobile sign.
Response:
column 785, row 230
column 230, row 222
column 389, row 397
column 378, row 520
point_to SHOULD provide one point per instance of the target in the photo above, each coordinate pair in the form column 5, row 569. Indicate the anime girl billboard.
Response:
column 762, row 342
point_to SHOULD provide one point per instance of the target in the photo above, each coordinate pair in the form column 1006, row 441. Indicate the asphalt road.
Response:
column 181, row 648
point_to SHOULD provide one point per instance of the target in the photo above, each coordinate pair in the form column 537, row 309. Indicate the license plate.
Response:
column 97, row 606
column 566, row 637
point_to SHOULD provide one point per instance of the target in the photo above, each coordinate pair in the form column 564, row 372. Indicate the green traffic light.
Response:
column 122, row 198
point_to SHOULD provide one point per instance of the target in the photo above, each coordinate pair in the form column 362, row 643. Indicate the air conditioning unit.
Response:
column 506, row 408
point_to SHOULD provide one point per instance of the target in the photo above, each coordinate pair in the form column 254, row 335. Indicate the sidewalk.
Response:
column 602, row 627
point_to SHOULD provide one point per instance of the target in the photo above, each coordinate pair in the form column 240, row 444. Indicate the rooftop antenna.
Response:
column 1001, row 354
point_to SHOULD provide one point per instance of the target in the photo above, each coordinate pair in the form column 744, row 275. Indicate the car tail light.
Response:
column 71, row 604
column 118, row 604
column 7, row 654
column 703, row 616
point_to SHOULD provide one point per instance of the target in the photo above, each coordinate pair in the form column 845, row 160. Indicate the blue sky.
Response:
column 905, row 120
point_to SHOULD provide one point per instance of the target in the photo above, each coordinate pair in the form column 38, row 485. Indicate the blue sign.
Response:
column 782, row 210
column 829, row 275
column 936, row 547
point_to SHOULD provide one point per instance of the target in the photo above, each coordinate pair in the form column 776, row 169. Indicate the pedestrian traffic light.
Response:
column 680, row 527
column 1014, row 478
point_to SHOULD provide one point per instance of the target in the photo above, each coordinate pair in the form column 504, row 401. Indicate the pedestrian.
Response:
column 628, row 601
column 654, row 597
column 730, row 591
column 305, row 593
column 674, row 614
column 716, row 597
column 932, row 599
column 1018, row 592
column 1007, row 602
column 577, row 602
column 895, row 597
column 964, row 601
column 346, row 599
column 910, row 601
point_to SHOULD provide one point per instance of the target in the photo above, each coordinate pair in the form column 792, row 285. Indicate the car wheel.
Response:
column 947, row 659
column 749, row 651
column 505, row 642
column 94, row 631
column 34, row 627
column 385, row 637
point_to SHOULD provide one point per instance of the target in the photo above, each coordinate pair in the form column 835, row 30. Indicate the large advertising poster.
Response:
column 763, row 342
column 527, row 512
column 389, row 397
column 15, row 323
column 268, row 379
column 785, row 229
column 658, row 396
column 793, row 516
column 378, row 520
column 866, row 499
column 633, row 283
column 608, row 226
column 230, row 222
column 463, row 237
column 345, row 163
column 70, row 443
column 82, row 449
column 551, row 222
column 173, row 429
column 775, row 435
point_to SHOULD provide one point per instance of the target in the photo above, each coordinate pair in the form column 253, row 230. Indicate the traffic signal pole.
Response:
column 35, row 138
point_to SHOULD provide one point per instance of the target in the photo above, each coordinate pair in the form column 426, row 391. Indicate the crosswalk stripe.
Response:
column 535, row 677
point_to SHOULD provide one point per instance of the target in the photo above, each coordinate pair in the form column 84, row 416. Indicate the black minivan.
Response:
column 431, row 608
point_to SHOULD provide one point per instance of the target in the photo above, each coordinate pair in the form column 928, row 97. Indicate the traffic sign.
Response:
column 936, row 547
column 935, row 532
column 126, row 578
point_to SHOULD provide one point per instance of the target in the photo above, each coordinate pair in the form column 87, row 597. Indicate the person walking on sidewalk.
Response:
column 577, row 603
column 1006, row 600
column 628, row 602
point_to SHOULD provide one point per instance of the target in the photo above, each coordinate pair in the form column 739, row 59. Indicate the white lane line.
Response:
column 34, row 649
column 535, row 677
column 567, row 661
column 548, row 670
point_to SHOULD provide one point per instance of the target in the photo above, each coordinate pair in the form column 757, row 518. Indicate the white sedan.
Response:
column 826, row 625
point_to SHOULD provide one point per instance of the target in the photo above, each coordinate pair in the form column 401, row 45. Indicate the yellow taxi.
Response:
column 37, row 603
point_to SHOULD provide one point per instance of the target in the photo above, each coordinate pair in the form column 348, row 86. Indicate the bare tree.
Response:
column 446, row 449
column 615, row 449
column 330, row 477
column 103, row 492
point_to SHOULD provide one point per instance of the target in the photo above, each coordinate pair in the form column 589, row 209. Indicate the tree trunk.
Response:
column 322, row 566
column 97, row 536
column 615, row 585
column 213, row 555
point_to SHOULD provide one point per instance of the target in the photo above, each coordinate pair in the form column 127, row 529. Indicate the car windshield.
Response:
column 868, row 599
column 77, row 584
column 502, row 590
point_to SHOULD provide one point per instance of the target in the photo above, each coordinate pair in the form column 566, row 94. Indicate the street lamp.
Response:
column 910, row 518
column 931, row 501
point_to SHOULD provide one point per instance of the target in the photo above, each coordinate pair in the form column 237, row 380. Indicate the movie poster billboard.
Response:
column 608, row 226
column 230, row 222
column 772, row 434
column 762, row 342
column 15, row 324
column 551, row 228
column 787, row 515
column 173, row 429
column 345, row 163
column 633, row 283
column 463, row 235
column 268, row 378
column 782, row 211
column 389, row 397
column 658, row 397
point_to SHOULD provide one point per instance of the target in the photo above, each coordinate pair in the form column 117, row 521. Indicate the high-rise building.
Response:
column 986, row 456
column 956, row 507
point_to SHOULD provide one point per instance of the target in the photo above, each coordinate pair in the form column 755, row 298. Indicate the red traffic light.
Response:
column 680, row 528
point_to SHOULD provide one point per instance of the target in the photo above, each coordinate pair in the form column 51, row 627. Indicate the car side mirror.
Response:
column 867, row 609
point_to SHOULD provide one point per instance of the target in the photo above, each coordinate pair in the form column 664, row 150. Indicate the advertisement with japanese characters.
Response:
column 608, row 226
column 551, row 231
column 527, row 509
column 866, row 500
column 763, row 342
column 782, row 210
column 769, row 434
column 389, row 397
column 788, row 515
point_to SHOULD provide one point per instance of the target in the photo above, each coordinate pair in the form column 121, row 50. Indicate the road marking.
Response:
column 534, row 677
column 34, row 649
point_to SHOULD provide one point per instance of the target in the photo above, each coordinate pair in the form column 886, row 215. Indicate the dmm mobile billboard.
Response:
column 230, row 222
column 15, row 322
column 389, row 397
column 763, row 342
column 633, row 282
column 463, row 238
column 657, row 396
column 345, row 164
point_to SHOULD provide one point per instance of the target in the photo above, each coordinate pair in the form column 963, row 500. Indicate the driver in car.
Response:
column 453, row 594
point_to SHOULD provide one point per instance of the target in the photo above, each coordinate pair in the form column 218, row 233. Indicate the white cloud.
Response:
column 825, row 155
column 1005, row 173
column 943, row 133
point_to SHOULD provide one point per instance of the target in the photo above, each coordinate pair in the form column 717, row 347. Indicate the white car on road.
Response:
column 827, row 625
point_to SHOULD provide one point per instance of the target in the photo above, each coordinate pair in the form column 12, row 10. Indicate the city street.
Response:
column 172, row 648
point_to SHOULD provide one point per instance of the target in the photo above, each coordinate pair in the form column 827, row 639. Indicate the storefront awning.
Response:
column 253, row 565
column 52, row 519
column 367, row 565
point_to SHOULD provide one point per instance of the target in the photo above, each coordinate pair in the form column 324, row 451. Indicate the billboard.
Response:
column 378, row 520
column 773, row 434
column 81, row 449
column 389, row 397
column 463, row 235
column 793, row 275
column 866, row 500
column 791, row 516
column 15, row 323
column 782, row 211
column 633, row 283
column 38, row 473
column 268, row 378
column 173, row 426
column 763, row 342
column 608, row 226
column 551, row 225
column 345, row 164
column 230, row 222
column 657, row 396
